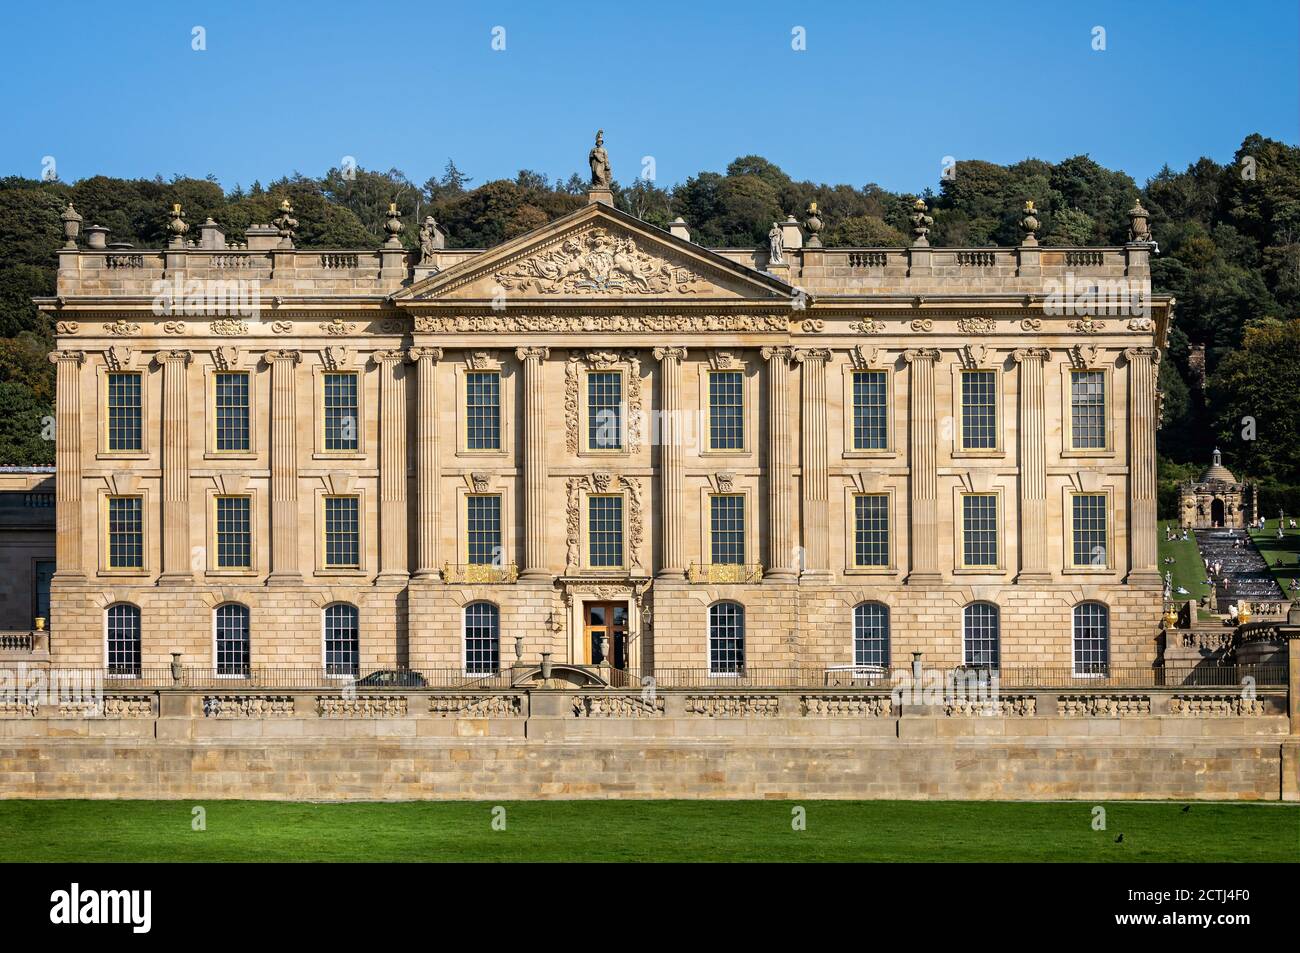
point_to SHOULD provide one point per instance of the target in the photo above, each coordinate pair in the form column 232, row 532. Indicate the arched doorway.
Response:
column 1216, row 512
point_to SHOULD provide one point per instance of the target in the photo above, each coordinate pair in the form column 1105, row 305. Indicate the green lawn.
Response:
column 80, row 831
column 1284, row 550
column 1188, row 570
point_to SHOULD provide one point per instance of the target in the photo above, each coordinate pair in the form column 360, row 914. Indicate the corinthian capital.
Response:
column 532, row 353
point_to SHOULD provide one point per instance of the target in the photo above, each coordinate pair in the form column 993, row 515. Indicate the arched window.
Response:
column 981, row 635
column 342, row 642
column 482, row 639
column 123, row 655
column 232, row 655
column 871, row 634
column 726, row 638
column 1091, row 639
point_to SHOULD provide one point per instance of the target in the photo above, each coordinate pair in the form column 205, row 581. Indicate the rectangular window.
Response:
column 604, row 410
column 231, row 402
column 342, row 532
column 727, row 528
column 234, row 532
column 979, row 521
column 483, row 528
column 871, row 529
column 978, row 410
column 726, row 410
column 482, row 410
column 125, row 532
column 341, row 421
column 1089, row 520
column 125, row 412
column 44, row 573
column 870, row 424
column 1088, row 410
column 605, row 530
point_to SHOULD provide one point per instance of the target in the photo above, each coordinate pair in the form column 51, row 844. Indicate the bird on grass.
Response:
column 1120, row 839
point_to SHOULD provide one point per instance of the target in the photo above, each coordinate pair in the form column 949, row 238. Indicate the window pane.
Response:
column 604, row 410
column 1088, row 410
column 483, row 524
column 871, row 530
column 727, row 528
column 342, row 640
column 1091, row 639
column 1090, row 529
column 605, row 530
column 232, row 640
column 123, row 640
column 870, row 430
column 726, row 638
column 341, row 412
column 232, row 411
column 726, row 410
column 483, row 410
column 979, row 530
column 234, row 532
column 44, row 573
column 125, row 532
column 978, row 411
column 981, row 636
column 342, row 531
column 482, row 639
column 124, row 412
column 871, row 634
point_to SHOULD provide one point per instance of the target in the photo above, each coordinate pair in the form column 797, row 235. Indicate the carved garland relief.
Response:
column 597, row 262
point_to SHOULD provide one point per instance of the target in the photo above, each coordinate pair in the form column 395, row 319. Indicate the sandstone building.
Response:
column 605, row 442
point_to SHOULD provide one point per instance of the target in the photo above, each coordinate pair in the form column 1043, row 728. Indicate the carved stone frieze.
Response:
column 599, row 262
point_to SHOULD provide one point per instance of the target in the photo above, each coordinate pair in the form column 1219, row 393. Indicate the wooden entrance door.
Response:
column 605, row 620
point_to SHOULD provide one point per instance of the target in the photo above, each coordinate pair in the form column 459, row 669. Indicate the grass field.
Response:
column 1188, row 569
column 1281, row 555
column 86, row 831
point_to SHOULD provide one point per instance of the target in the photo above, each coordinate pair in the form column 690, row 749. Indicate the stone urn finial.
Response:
column 71, row 226
column 177, row 227
column 1139, row 227
column 285, row 223
column 393, row 226
column 177, row 669
column 1029, row 223
column 814, row 225
column 921, row 222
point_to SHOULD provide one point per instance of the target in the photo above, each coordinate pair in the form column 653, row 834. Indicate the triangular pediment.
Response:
column 597, row 254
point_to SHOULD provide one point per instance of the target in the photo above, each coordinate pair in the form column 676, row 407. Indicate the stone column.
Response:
column 923, row 465
column 393, row 565
column 535, row 528
column 68, row 538
column 426, row 462
column 813, row 456
column 1032, row 453
column 1143, row 363
column 176, row 568
column 284, row 469
column 670, row 460
column 780, row 466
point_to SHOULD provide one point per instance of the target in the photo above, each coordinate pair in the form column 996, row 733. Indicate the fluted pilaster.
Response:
column 534, row 462
column 780, row 466
column 284, row 469
column 671, row 466
column 1143, row 364
column 68, row 537
column 176, row 562
column 923, row 466
column 815, row 482
column 426, row 462
column 393, row 568
column 1032, row 453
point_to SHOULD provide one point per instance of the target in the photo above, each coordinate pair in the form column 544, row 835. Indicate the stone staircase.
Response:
column 1244, row 574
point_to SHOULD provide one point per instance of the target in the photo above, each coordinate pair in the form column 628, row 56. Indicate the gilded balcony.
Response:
column 725, row 573
column 480, row 573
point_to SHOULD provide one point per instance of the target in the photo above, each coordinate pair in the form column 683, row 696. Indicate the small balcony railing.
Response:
column 725, row 573
column 480, row 573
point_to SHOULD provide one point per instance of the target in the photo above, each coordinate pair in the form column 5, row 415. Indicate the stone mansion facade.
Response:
column 605, row 442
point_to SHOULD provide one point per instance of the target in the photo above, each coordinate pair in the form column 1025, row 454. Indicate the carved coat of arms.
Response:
column 596, row 262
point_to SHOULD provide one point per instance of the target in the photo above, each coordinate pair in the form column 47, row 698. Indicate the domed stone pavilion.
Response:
column 1216, row 499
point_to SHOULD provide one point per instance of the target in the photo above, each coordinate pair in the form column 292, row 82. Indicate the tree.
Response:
column 1257, row 385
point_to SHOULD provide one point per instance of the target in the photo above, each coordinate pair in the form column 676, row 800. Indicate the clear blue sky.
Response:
column 882, row 93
